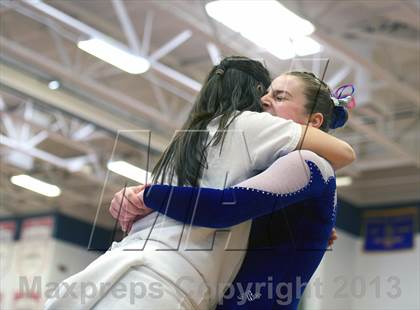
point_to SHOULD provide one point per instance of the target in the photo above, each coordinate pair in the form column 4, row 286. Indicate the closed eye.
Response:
column 281, row 95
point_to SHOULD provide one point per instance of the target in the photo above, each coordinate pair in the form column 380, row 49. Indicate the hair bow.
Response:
column 343, row 96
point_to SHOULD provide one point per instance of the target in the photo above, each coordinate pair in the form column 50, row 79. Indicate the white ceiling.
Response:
column 374, row 44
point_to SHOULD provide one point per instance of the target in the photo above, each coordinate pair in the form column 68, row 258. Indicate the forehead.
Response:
column 287, row 83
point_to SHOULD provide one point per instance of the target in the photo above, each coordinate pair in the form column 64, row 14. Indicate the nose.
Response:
column 266, row 102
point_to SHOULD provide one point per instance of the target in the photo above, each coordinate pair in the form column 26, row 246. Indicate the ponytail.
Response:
column 339, row 117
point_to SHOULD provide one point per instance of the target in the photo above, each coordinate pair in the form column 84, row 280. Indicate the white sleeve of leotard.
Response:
column 289, row 173
column 268, row 137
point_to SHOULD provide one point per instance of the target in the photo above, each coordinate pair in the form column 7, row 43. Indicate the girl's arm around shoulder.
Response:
column 269, row 137
column 338, row 152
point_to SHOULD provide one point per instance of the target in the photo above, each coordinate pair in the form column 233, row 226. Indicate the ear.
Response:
column 316, row 120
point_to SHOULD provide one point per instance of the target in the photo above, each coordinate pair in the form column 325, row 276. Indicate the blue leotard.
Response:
column 288, row 237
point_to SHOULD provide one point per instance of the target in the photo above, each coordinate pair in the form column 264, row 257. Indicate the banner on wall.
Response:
column 37, row 228
column 34, row 247
column 389, row 230
column 7, row 237
column 7, row 230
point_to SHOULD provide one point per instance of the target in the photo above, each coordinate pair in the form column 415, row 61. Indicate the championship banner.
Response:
column 37, row 228
column 389, row 230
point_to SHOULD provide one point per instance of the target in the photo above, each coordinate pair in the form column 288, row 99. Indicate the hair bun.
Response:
column 340, row 117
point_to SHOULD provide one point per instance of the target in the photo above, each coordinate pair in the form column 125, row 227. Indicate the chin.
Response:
column 270, row 112
column 286, row 117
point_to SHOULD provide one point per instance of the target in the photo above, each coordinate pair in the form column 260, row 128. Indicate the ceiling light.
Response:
column 115, row 56
column 306, row 46
column 36, row 185
column 129, row 171
column 53, row 85
column 268, row 24
column 343, row 181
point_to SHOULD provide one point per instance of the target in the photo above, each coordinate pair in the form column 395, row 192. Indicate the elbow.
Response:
column 348, row 156
column 351, row 156
column 354, row 157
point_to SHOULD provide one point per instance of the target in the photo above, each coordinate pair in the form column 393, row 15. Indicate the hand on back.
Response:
column 127, row 206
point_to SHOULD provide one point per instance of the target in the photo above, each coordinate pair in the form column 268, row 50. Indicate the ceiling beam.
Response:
column 151, row 77
column 16, row 6
column 147, row 32
column 381, row 139
column 67, row 102
column 109, row 29
column 178, row 9
column 34, row 152
column 127, row 25
column 214, row 53
column 349, row 55
column 83, row 205
column 111, row 187
column 170, row 45
column 92, row 32
column 404, row 12
column 386, row 38
column 339, row 76
column 59, row 45
column 83, row 82
column 73, row 144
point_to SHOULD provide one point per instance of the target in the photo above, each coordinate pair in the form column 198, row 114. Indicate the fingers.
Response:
column 138, row 189
column 334, row 234
column 128, row 224
column 132, row 203
column 125, row 226
column 333, row 237
column 127, row 206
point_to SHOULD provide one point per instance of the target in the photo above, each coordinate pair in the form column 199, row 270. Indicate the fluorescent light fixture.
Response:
column 129, row 171
column 36, row 185
column 306, row 46
column 268, row 24
column 54, row 85
column 343, row 181
column 115, row 56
